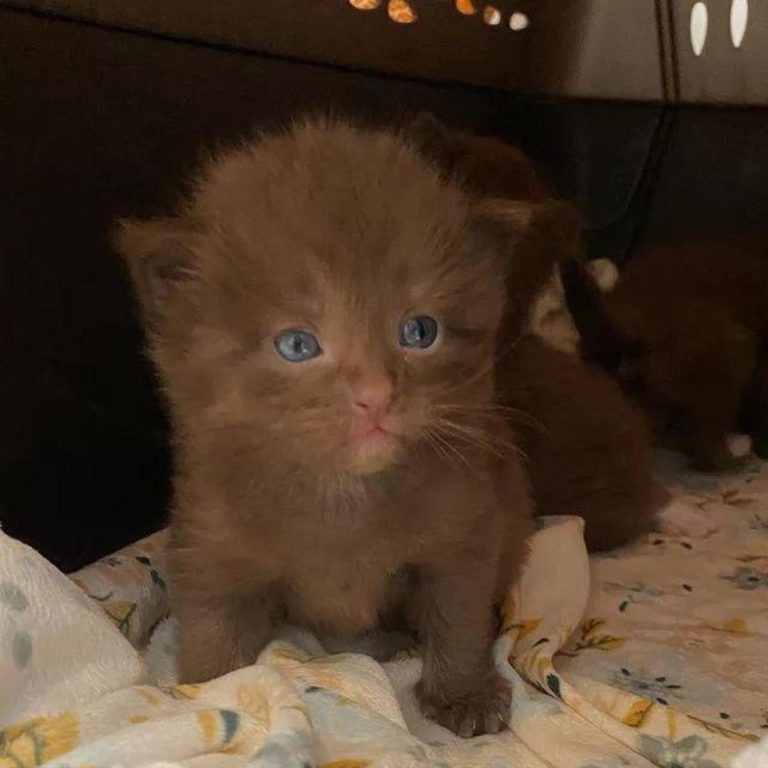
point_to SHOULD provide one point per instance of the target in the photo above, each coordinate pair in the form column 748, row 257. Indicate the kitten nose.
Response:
column 371, row 393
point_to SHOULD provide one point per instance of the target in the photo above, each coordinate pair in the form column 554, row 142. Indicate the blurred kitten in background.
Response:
column 685, row 333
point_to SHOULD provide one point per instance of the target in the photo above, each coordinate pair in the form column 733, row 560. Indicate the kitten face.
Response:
column 347, row 373
column 331, row 298
column 355, row 384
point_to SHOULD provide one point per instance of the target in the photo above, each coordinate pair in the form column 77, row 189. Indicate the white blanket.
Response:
column 656, row 655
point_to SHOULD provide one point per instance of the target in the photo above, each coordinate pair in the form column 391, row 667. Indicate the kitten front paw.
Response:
column 475, row 713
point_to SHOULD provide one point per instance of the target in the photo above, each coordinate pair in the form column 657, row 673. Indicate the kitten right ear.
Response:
column 531, row 239
column 435, row 140
column 532, row 236
column 159, row 254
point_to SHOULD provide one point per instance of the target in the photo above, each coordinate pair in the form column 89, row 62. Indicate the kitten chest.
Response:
column 344, row 593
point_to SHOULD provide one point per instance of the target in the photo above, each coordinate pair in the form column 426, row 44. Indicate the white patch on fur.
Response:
column 605, row 273
column 679, row 518
column 755, row 756
column 739, row 446
column 550, row 319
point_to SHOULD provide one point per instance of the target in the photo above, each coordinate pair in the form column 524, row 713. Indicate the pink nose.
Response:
column 371, row 394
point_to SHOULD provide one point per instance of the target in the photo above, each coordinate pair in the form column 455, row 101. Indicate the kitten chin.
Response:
column 373, row 453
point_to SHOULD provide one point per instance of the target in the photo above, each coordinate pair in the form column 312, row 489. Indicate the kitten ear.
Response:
column 426, row 129
column 529, row 239
column 435, row 140
column 554, row 225
column 159, row 254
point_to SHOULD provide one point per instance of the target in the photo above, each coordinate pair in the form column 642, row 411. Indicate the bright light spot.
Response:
column 492, row 16
column 518, row 21
column 699, row 23
column 739, row 18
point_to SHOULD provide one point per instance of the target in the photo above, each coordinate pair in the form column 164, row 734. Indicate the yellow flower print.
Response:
column 120, row 612
column 730, row 498
column 522, row 628
column 183, row 692
column 37, row 741
column 287, row 653
column 349, row 763
column 732, row 627
column 250, row 699
column 137, row 719
column 592, row 639
column 637, row 713
column 323, row 678
column 219, row 727
column 148, row 695
column 209, row 725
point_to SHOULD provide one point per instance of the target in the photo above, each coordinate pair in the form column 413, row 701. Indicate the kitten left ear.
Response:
column 160, row 255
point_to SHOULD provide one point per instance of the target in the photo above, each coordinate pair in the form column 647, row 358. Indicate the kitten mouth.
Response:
column 371, row 431
column 372, row 436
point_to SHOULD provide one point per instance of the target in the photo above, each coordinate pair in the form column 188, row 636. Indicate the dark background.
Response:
column 98, row 121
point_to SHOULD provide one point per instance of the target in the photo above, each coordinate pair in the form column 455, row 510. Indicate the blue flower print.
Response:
column 686, row 753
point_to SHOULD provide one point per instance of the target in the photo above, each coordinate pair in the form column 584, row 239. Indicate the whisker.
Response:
column 480, row 439
column 451, row 448
column 438, row 449
column 472, row 438
column 515, row 415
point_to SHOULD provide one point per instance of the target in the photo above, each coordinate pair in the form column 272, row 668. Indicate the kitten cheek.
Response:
column 412, row 423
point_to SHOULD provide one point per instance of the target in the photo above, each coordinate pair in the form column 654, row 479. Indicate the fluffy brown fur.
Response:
column 685, row 332
column 369, row 481
column 588, row 450
column 486, row 164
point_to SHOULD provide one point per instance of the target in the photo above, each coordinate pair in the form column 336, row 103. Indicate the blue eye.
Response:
column 418, row 332
column 297, row 346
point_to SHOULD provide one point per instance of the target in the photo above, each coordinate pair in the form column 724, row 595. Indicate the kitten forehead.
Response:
column 327, row 198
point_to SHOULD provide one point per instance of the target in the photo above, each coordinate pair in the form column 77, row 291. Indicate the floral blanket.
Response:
column 653, row 656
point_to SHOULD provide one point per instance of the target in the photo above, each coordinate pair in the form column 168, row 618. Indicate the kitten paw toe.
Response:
column 679, row 518
column 739, row 446
column 478, row 712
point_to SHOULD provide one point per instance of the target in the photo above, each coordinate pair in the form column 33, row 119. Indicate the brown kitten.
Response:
column 588, row 451
column 685, row 332
column 323, row 314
